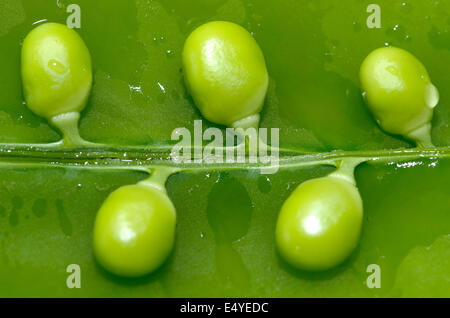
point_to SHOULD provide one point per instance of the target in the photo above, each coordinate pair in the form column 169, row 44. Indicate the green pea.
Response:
column 398, row 91
column 225, row 73
column 134, row 230
column 319, row 224
column 56, row 70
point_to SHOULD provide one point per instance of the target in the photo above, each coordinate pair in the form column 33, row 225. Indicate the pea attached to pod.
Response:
column 56, row 74
column 320, row 223
column 226, row 74
column 134, row 230
column 398, row 90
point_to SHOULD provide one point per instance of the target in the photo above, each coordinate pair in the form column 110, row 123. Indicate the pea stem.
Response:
column 144, row 158
column 346, row 169
column 242, row 126
column 248, row 122
column 261, row 148
column 422, row 136
column 68, row 124
column 158, row 178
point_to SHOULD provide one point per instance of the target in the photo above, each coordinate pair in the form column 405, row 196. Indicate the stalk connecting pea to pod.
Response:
column 319, row 225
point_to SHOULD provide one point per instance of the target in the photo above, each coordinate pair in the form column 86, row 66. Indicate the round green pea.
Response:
column 225, row 72
column 56, row 70
column 134, row 230
column 319, row 224
column 398, row 90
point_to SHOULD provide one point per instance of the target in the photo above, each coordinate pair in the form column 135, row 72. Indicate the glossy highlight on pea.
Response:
column 226, row 74
column 56, row 70
column 134, row 230
column 319, row 224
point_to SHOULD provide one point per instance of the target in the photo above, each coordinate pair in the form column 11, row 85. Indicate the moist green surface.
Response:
column 226, row 219
column 225, row 234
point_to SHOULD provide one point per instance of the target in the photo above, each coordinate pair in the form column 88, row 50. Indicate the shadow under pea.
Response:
column 152, row 277
column 318, row 275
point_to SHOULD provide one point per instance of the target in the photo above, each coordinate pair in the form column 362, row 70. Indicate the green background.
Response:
column 226, row 219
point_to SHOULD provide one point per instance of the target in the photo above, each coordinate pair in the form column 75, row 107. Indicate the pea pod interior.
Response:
column 139, row 98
